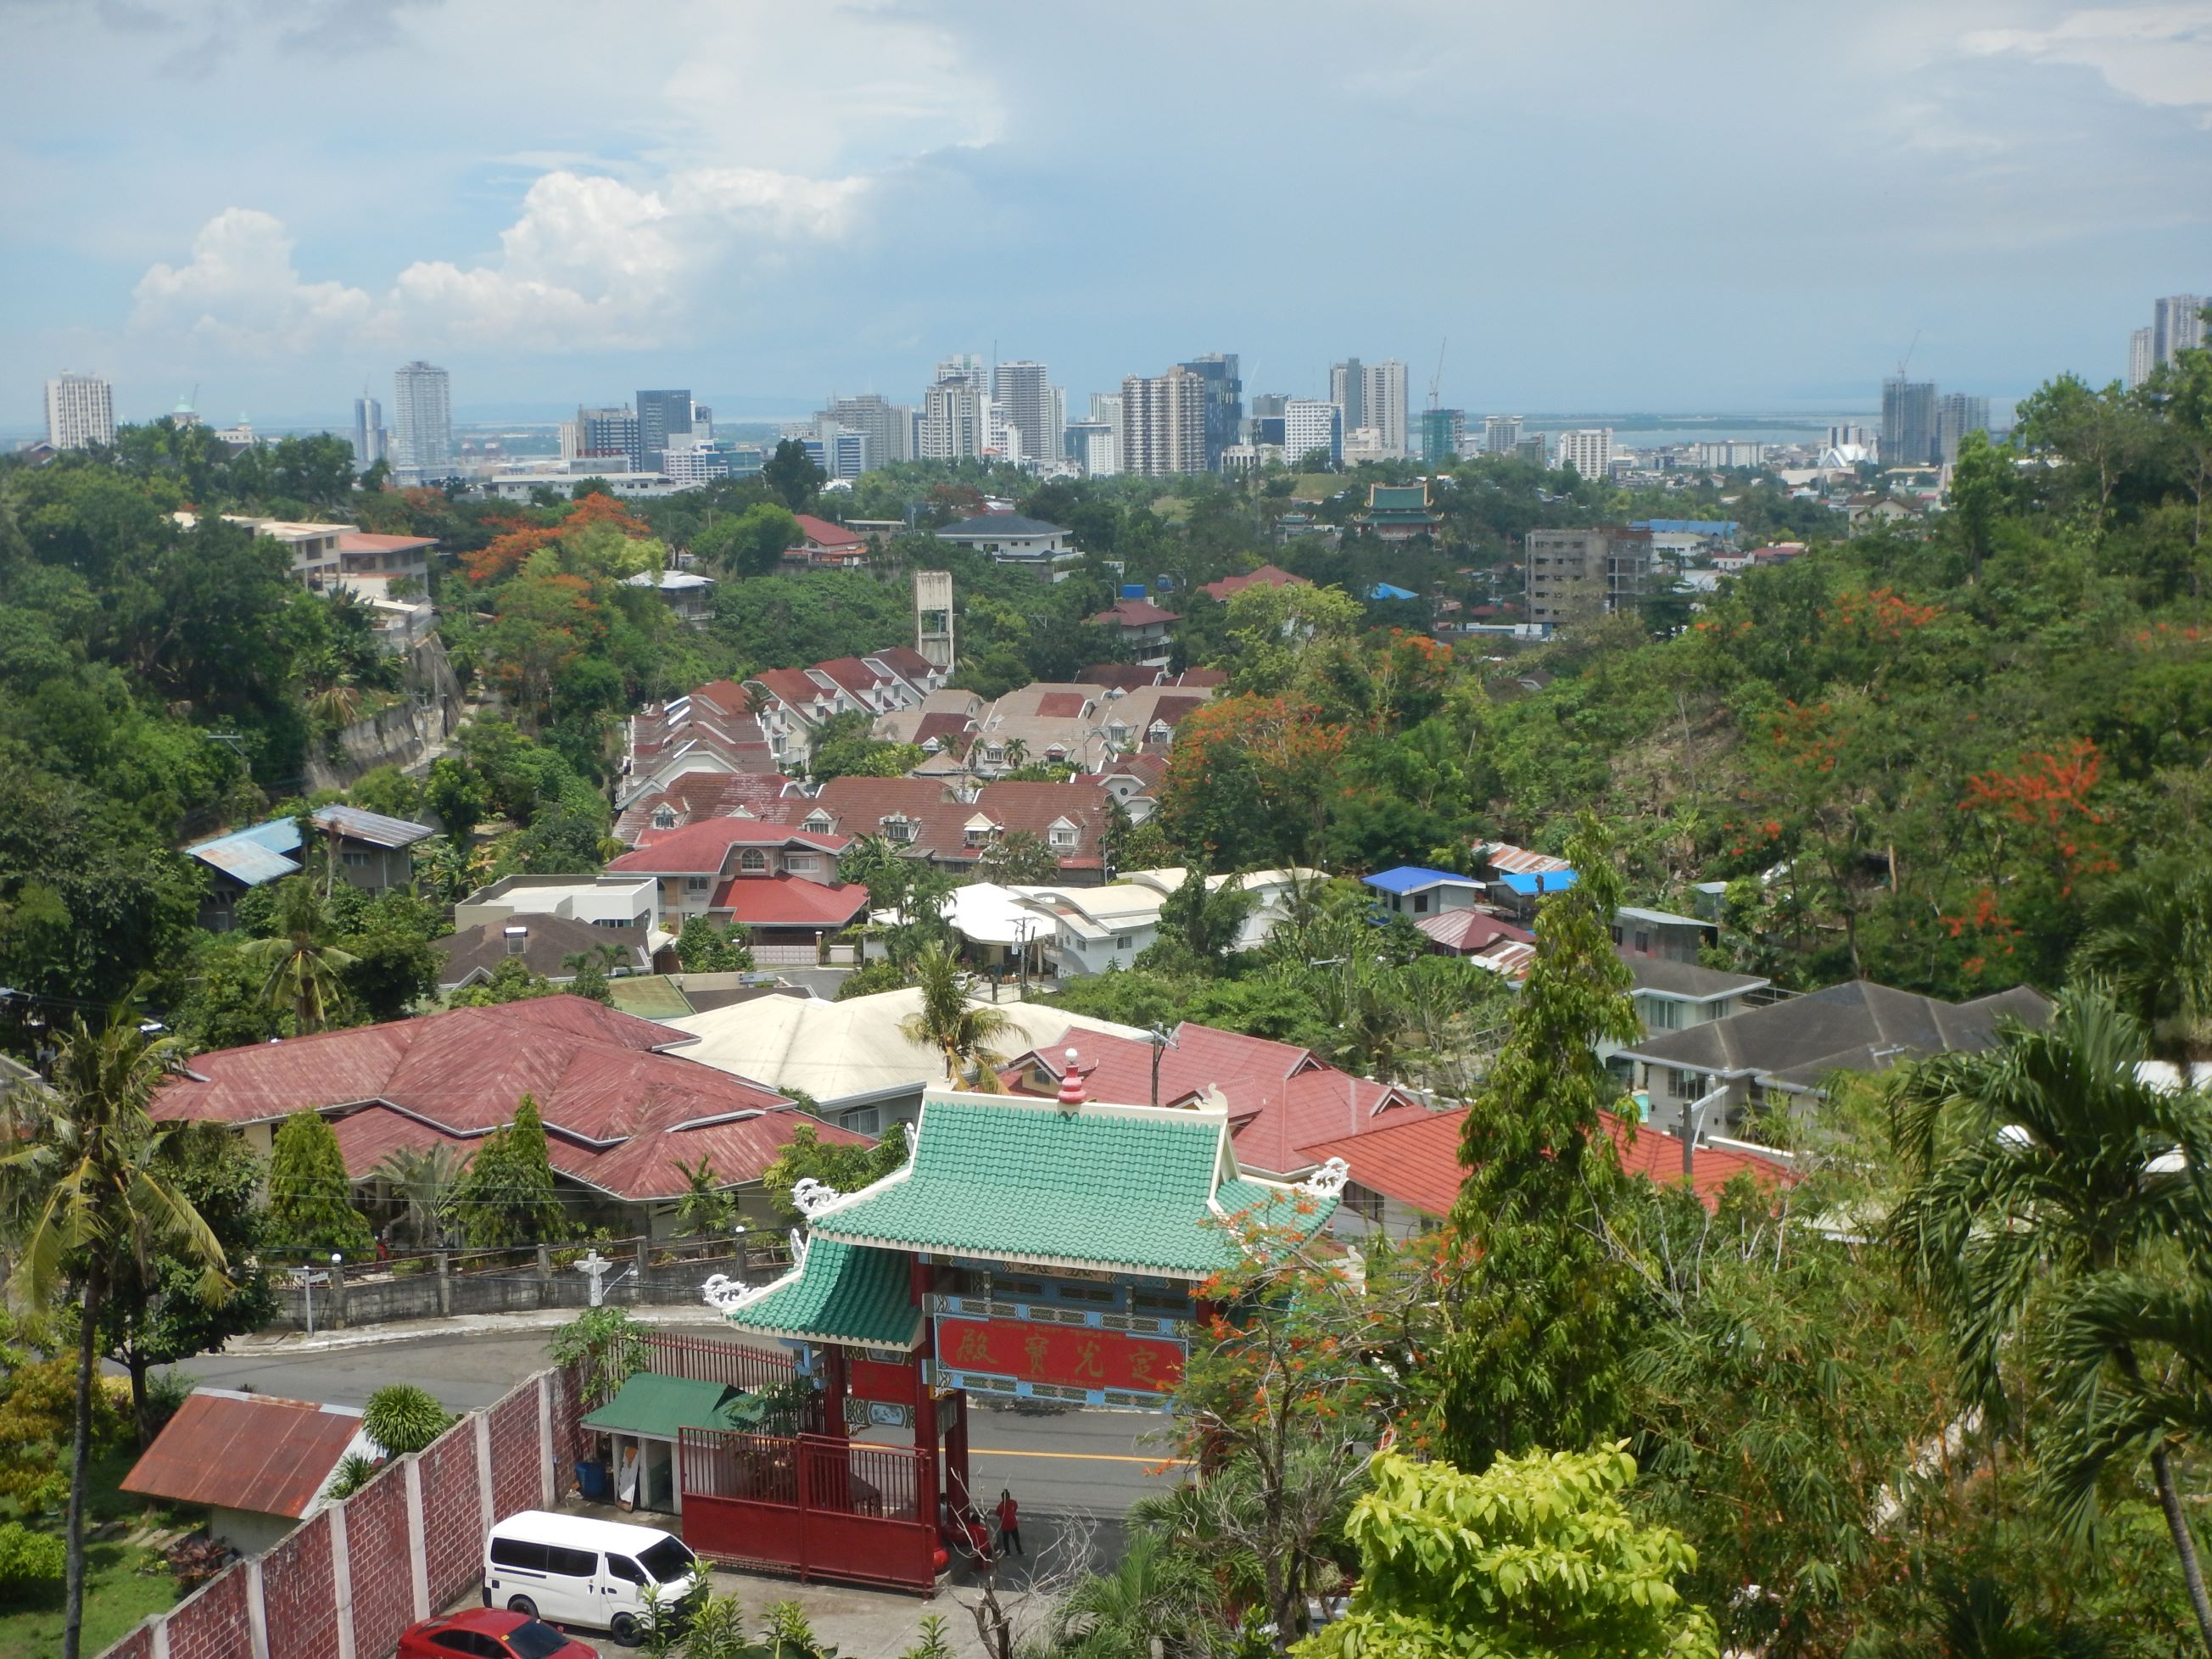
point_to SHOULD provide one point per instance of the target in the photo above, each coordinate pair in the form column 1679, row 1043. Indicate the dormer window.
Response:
column 898, row 830
column 665, row 818
column 1063, row 834
column 819, row 823
column 752, row 858
column 1056, row 752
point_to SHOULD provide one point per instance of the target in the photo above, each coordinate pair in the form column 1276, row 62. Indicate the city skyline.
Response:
column 673, row 208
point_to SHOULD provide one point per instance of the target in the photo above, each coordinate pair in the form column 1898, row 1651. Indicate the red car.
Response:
column 489, row 1633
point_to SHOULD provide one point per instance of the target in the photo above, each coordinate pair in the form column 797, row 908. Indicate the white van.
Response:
column 568, row 1570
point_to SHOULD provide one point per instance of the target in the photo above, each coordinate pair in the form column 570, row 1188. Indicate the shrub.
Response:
column 30, row 1561
column 354, row 1472
column 401, row 1418
column 193, row 1561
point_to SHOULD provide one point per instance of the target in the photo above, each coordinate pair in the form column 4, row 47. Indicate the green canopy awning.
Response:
column 653, row 1404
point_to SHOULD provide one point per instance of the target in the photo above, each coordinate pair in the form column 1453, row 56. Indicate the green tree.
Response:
column 964, row 1032
column 419, row 1183
column 1979, row 483
column 92, row 1160
column 2151, row 944
column 1155, row 1592
column 845, row 1168
column 1019, row 860
column 155, row 1314
column 2054, row 1189
column 311, row 1211
column 510, row 980
column 507, row 1197
column 305, row 970
column 751, row 542
column 1537, row 1332
column 705, row 946
column 607, row 1345
column 707, row 1205
column 793, row 476
column 1537, row 1556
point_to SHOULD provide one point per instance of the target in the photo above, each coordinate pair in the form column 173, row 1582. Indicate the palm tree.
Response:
column 303, row 965
column 2152, row 944
column 100, row 1200
column 1156, row 1590
column 962, row 1031
column 2053, row 1188
column 421, row 1180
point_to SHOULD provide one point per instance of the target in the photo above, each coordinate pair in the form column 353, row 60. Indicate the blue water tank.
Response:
column 1133, row 590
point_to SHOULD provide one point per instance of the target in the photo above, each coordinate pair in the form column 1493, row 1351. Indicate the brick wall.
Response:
column 453, row 1513
column 214, row 1624
column 299, row 1594
column 139, row 1645
column 516, row 1483
column 378, row 1553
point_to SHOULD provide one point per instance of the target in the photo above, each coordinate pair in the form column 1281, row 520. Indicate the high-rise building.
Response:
column 660, row 416
column 702, row 422
column 1589, row 450
column 888, row 427
column 1957, row 413
column 2176, row 324
column 955, row 411
column 612, row 435
column 1225, row 402
column 422, row 420
column 2142, row 354
column 80, row 411
column 1383, row 404
column 1908, row 422
column 368, row 433
column 1500, row 433
column 1024, row 392
column 1347, row 390
column 1310, row 424
column 1093, row 445
column 1268, row 405
column 1534, row 447
column 692, row 458
column 1163, row 422
column 1574, row 574
column 1107, row 406
column 1442, row 432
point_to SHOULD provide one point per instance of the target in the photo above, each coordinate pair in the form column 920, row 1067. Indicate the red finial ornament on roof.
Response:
column 1072, row 1090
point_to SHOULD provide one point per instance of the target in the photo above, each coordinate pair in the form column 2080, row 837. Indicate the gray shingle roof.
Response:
column 999, row 524
column 374, row 828
column 1855, row 1026
column 1685, row 979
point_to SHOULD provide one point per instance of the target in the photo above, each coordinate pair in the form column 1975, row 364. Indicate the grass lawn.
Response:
column 117, row 1595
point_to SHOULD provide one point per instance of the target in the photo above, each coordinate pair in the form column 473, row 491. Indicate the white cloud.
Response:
column 590, row 263
column 241, row 292
column 2158, row 55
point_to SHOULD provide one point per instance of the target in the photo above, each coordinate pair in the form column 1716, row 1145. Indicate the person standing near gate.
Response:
column 1010, row 1524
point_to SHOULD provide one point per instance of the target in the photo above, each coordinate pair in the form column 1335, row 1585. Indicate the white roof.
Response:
column 582, row 1532
column 851, row 1050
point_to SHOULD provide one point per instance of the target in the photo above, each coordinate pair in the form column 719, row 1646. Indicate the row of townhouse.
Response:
column 1087, row 728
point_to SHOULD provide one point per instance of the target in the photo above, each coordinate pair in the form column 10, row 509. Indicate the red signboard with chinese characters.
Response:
column 1070, row 1356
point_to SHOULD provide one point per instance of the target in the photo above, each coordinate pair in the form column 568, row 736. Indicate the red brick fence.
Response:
column 344, row 1583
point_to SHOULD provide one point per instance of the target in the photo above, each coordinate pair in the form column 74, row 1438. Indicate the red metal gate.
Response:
column 815, row 1505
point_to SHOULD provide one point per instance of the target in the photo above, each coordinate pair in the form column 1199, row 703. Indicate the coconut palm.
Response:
column 99, row 1201
column 1155, row 1591
column 2152, row 943
column 303, row 966
column 2056, row 1192
column 964, row 1032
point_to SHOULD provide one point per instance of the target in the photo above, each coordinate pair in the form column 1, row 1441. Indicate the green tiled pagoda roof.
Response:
column 844, row 1293
column 1023, row 1181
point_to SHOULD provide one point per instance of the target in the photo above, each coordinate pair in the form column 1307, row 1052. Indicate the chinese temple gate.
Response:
column 1028, row 1250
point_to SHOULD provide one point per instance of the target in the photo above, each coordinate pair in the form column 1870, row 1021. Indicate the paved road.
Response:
column 1097, row 1461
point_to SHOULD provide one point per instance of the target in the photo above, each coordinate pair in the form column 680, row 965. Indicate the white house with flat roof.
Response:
column 598, row 901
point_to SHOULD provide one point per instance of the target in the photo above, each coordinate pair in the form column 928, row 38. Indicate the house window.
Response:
column 862, row 1119
column 697, row 883
column 898, row 830
column 752, row 858
column 799, row 861
column 1421, row 904
column 354, row 861
column 1365, row 1202
column 1685, row 1085
column 993, row 753
column 1643, row 945
column 1662, row 1015
column 819, row 823
column 1123, row 941
column 663, row 819
column 1063, row 837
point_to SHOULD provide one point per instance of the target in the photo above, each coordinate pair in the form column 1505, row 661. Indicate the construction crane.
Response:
column 1437, row 378
column 1906, row 361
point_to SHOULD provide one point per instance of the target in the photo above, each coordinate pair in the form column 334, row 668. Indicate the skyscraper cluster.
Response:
column 2177, row 324
column 1923, row 426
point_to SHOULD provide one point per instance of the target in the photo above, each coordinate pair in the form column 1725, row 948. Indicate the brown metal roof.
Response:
column 245, row 1452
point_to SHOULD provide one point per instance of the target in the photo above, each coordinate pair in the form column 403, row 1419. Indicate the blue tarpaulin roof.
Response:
column 1538, row 883
column 261, row 853
column 1687, row 526
column 1412, row 877
column 1385, row 591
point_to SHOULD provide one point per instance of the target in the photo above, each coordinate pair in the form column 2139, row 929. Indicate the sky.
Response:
column 1711, row 205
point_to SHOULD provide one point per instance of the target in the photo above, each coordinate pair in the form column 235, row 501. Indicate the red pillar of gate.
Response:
column 956, row 1450
column 924, row 1403
column 833, row 1388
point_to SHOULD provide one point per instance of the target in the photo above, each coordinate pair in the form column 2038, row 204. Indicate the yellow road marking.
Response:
column 1081, row 1457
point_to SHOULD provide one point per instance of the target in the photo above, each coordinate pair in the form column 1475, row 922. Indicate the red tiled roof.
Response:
column 600, row 1087
column 943, row 726
column 702, row 848
column 790, row 902
column 820, row 532
column 938, row 818
column 1200, row 679
column 1266, row 575
column 1061, row 705
column 906, row 662
column 1280, row 1097
column 364, row 541
column 245, row 1451
column 1170, row 711
column 794, row 688
column 853, row 674
column 1416, row 1161
column 1468, row 930
column 727, row 696
column 693, row 796
column 1133, row 613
